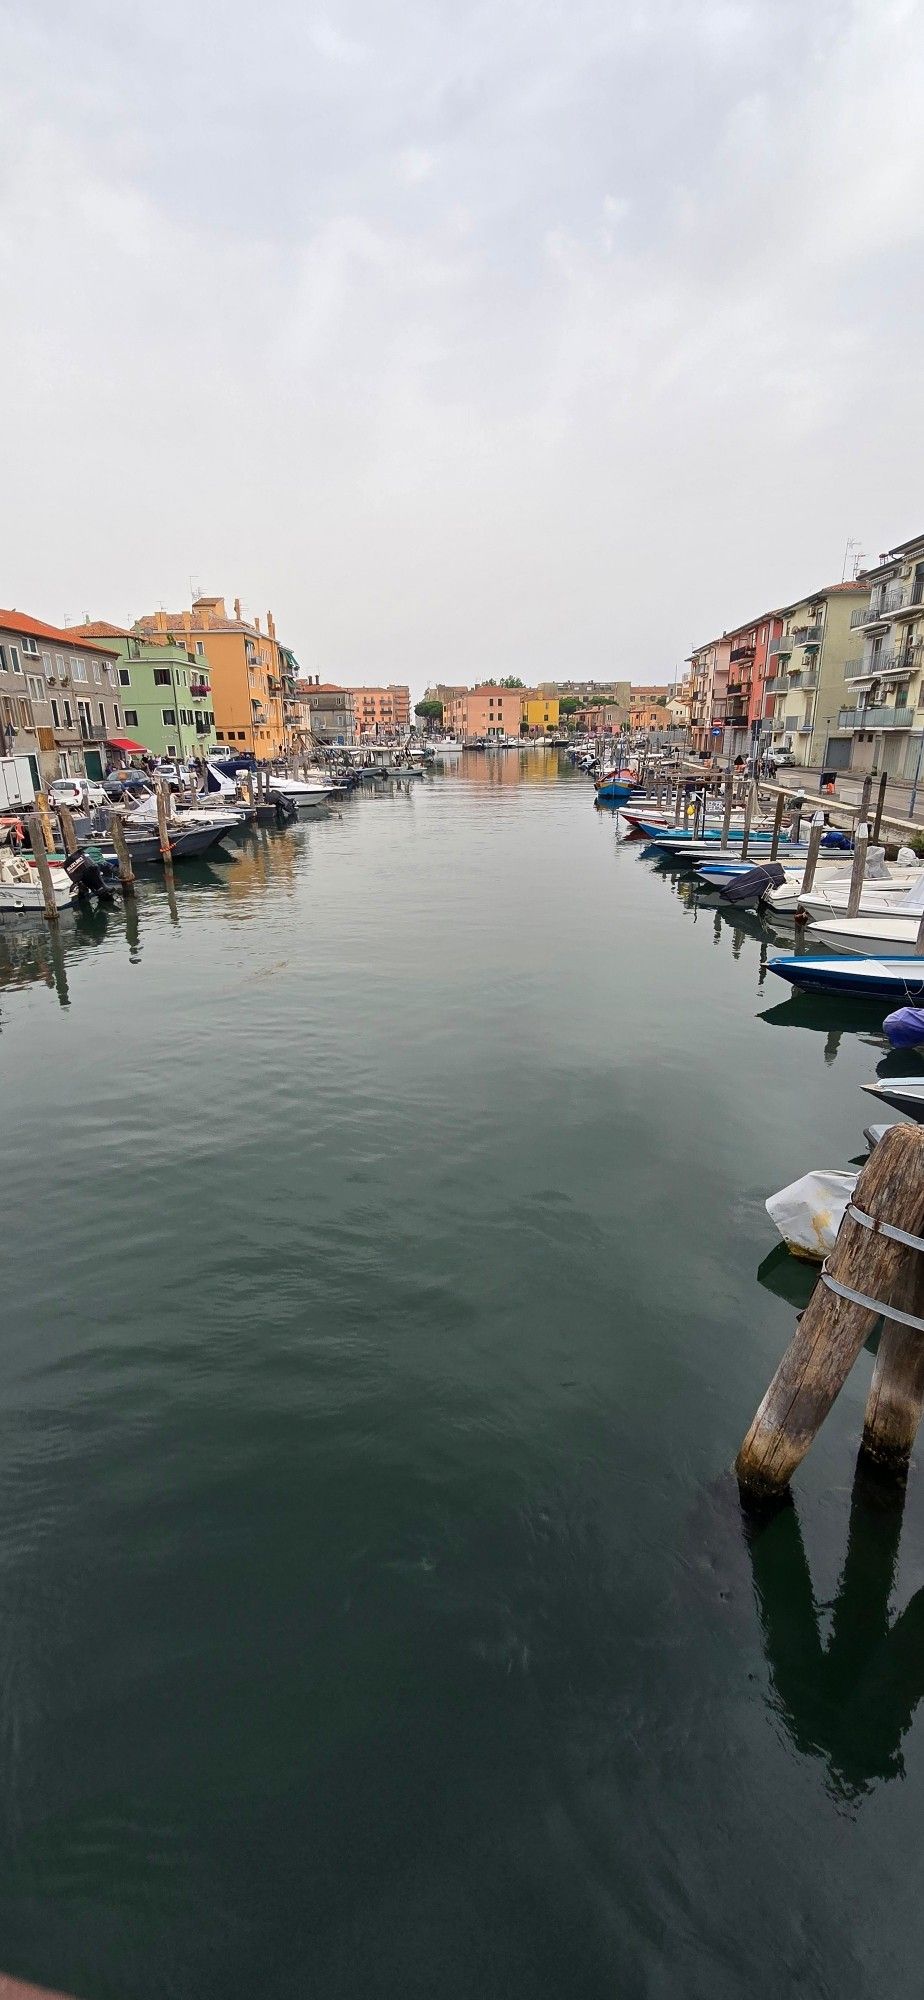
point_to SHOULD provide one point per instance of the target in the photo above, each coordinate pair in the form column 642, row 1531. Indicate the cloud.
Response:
column 552, row 338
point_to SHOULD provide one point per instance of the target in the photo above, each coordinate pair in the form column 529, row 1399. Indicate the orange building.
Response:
column 381, row 711
column 488, row 711
column 250, row 672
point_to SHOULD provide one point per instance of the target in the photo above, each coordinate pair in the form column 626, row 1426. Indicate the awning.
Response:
column 128, row 745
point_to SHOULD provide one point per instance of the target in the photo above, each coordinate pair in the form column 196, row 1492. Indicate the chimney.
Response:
column 237, row 609
column 257, row 624
column 271, row 625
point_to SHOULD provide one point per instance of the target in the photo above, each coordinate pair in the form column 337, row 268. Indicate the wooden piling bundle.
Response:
column 875, row 1269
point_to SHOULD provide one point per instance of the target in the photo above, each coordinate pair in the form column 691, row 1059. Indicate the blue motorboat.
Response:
column 902, row 978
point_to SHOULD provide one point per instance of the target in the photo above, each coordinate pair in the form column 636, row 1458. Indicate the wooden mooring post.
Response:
column 873, row 1266
column 729, row 801
column 880, row 803
column 68, row 829
column 748, row 816
column 811, row 859
column 857, row 872
column 119, row 842
column 777, row 827
column 40, row 856
column 163, row 824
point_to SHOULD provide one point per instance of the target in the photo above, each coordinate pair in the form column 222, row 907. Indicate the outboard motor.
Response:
column 87, row 878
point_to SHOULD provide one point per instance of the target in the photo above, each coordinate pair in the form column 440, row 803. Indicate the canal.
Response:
column 386, row 1292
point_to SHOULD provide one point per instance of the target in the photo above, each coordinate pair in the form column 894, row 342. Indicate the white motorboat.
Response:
column 869, row 937
column 21, row 887
column 303, row 792
column 904, row 1093
column 830, row 890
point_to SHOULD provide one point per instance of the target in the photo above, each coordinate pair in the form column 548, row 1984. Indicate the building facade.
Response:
column 539, row 713
column 743, row 707
column 164, row 692
column 708, row 682
column 325, row 711
column 883, row 713
column 488, row 712
column 251, row 675
column 811, row 658
column 381, row 712
column 59, row 698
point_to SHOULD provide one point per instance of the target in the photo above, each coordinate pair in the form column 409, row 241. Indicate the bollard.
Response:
column 811, row 859
column 896, row 1393
column 41, row 807
column 677, row 798
column 831, row 1332
column 119, row 842
column 40, row 857
column 865, row 796
column 861, row 843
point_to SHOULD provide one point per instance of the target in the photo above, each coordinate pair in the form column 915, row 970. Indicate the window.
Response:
column 125, row 679
column 200, row 649
column 48, row 665
column 30, row 645
column 36, row 688
column 61, row 665
column 97, row 676
column 2, row 659
column 15, row 661
column 131, row 718
column 110, row 673
column 161, row 677
column 220, row 735
column 85, row 714
column 171, row 750
column 68, row 716
column 116, row 717
column 240, row 736
column 26, row 718
column 168, row 717
column 102, row 716
column 55, row 715
column 80, row 670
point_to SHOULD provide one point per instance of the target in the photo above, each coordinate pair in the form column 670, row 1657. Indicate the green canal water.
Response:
column 386, row 1292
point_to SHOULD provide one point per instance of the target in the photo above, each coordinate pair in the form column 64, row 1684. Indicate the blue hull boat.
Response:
column 615, row 792
column 877, row 977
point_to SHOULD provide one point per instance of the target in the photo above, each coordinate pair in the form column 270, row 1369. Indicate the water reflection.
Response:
column 830, row 1015
column 849, row 1699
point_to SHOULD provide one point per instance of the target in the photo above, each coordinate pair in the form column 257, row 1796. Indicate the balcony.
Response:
column 804, row 681
column 782, row 647
column 806, row 635
column 742, row 652
column 875, row 718
column 805, row 728
column 198, row 689
column 93, row 732
column 889, row 602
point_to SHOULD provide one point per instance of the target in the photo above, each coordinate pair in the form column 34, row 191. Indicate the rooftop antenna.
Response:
column 851, row 547
column 194, row 589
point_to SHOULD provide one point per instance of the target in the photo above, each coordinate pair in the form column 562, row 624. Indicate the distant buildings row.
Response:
column 493, row 710
column 175, row 684
column 834, row 679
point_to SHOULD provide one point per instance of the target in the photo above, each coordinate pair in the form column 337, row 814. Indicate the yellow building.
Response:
column 540, row 713
column 250, row 672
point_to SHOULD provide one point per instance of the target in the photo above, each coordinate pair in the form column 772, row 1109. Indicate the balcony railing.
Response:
column 807, row 678
column 806, row 635
column 888, row 603
column 875, row 718
column 92, row 732
column 805, row 728
column 199, row 688
column 906, row 661
column 781, row 646
column 742, row 652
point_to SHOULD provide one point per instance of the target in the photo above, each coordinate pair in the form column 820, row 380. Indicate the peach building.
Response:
column 381, row 711
column 488, row 711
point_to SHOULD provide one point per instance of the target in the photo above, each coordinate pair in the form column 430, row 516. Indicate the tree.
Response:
column 510, row 682
column 568, row 705
column 429, row 711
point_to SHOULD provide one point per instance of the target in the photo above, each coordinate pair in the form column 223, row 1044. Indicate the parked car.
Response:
column 76, row 792
column 783, row 759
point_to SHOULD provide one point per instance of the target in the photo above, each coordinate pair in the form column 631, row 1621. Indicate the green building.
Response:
column 165, row 692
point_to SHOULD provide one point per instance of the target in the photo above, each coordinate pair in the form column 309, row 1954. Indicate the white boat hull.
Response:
column 868, row 937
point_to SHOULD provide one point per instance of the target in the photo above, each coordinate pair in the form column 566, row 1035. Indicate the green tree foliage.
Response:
column 429, row 711
column 568, row 705
column 510, row 682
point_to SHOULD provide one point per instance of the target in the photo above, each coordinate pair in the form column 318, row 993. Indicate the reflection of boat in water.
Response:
column 789, row 1278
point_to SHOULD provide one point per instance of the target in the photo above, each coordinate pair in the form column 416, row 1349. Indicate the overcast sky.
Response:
column 521, row 337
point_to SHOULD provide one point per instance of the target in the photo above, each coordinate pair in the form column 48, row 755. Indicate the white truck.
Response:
column 17, row 788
